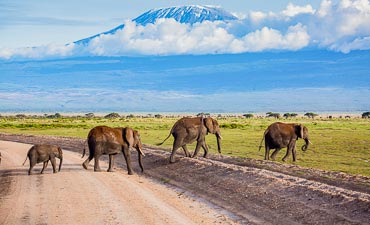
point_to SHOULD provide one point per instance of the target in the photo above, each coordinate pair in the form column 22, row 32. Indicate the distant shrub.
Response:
column 366, row 115
column 20, row 116
column 275, row 115
column 89, row 115
column 112, row 116
column 130, row 116
column 290, row 115
column 56, row 115
column 311, row 115
column 248, row 115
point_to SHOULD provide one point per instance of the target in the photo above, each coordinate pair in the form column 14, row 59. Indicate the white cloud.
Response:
column 341, row 27
column 325, row 8
column 295, row 38
column 344, row 27
column 293, row 10
column 50, row 50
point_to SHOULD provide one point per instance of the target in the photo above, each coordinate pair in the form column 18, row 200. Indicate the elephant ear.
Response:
column 208, row 122
column 128, row 134
column 299, row 130
column 137, row 140
column 60, row 151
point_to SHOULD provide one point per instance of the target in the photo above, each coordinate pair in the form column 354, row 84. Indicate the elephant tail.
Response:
column 164, row 140
column 83, row 152
column 25, row 161
column 263, row 138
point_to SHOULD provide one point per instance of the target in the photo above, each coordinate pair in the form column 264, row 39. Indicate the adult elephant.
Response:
column 43, row 153
column 187, row 130
column 280, row 135
column 103, row 140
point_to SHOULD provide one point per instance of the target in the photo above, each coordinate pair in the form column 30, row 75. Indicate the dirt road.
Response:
column 249, row 191
column 77, row 196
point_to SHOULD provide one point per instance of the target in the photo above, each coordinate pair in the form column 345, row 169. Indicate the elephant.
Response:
column 0, row 158
column 187, row 130
column 280, row 135
column 43, row 153
column 103, row 140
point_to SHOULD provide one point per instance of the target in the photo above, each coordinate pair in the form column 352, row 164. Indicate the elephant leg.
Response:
column 187, row 153
column 127, row 155
column 289, row 149
column 111, row 163
column 273, row 155
column 32, row 164
column 87, row 161
column 294, row 153
column 44, row 166
column 205, row 148
column 176, row 144
column 267, row 151
column 197, row 148
column 96, row 164
column 53, row 163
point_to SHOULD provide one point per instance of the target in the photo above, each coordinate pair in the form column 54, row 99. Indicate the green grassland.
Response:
column 338, row 144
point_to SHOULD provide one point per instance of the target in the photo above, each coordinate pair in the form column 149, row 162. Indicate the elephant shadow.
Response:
column 9, row 173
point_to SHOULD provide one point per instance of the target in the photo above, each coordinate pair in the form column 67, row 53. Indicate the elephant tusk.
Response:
column 310, row 142
column 220, row 137
column 141, row 152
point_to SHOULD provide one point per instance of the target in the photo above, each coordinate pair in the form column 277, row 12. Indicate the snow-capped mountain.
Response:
column 184, row 14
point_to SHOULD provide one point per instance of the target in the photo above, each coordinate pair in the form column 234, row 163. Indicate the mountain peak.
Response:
column 185, row 14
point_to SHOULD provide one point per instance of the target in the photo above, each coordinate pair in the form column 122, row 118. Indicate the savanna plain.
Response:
column 328, row 184
column 339, row 144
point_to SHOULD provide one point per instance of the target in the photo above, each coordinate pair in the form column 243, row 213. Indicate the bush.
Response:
column 21, row 116
column 366, row 115
column 289, row 115
column 275, row 115
column 112, row 116
column 248, row 115
column 90, row 115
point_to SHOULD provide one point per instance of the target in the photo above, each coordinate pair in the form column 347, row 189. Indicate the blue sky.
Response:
column 334, row 25
column 40, row 22
column 278, row 56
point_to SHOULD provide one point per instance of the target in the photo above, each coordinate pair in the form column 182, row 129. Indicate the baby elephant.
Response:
column 44, row 153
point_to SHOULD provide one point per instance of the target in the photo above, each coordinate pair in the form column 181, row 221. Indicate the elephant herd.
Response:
column 103, row 140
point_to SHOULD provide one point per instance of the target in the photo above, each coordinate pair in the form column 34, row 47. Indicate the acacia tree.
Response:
column 112, row 115
column 311, row 115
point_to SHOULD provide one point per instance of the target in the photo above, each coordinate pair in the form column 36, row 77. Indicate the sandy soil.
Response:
column 77, row 196
column 239, row 190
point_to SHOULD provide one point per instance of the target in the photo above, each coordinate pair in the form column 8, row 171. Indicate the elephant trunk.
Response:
column 218, row 136
column 60, row 162
column 305, row 146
